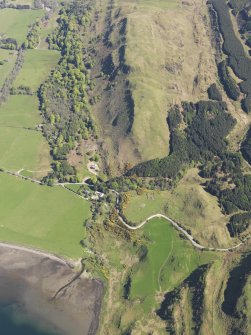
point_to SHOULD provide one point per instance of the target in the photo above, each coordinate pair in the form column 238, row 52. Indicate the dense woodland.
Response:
column 207, row 125
column 198, row 136
column 63, row 97
column 32, row 40
column 230, row 86
column 214, row 93
column 241, row 10
column 246, row 147
column 236, row 56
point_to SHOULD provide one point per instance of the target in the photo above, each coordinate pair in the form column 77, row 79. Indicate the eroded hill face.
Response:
column 212, row 300
column 153, row 54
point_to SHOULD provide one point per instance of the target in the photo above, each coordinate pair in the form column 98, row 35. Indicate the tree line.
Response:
column 64, row 101
column 236, row 56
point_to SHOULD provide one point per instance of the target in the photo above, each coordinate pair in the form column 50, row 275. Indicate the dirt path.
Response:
column 162, row 266
column 34, row 180
column 17, row 174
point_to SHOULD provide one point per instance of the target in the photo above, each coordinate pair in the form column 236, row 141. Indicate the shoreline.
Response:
column 54, row 257
column 46, row 288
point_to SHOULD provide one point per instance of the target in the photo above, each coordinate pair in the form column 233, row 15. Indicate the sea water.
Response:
column 13, row 322
column 17, row 305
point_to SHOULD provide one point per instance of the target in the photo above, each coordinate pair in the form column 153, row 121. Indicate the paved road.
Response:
column 140, row 225
column 178, row 227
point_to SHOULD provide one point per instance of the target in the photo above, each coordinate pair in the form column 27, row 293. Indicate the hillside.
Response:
column 125, row 149
column 153, row 54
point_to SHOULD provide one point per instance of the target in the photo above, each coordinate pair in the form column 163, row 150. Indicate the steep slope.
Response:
column 210, row 301
column 153, row 54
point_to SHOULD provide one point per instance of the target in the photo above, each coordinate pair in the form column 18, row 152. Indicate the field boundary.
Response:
column 176, row 225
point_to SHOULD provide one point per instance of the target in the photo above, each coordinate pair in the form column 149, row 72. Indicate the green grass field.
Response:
column 14, row 23
column 20, row 147
column 169, row 261
column 9, row 58
column 36, row 68
column 20, row 110
column 189, row 204
column 41, row 217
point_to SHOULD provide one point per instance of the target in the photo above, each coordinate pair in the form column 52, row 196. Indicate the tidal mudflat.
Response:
column 30, row 304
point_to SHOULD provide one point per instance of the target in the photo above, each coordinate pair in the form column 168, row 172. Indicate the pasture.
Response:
column 169, row 261
column 15, row 23
column 48, row 218
column 22, row 149
column 160, row 74
column 36, row 68
column 7, row 58
column 21, row 145
column 188, row 204
column 20, row 110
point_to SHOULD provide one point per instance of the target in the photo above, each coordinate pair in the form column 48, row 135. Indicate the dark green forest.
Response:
column 236, row 56
column 198, row 136
column 207, row 125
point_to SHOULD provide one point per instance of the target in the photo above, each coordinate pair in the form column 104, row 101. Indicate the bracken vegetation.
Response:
column 195, row 283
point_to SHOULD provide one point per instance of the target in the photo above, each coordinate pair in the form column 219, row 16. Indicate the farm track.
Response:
column 140, row 225
column 18, row 174
column 163, row 265
column 182, row 230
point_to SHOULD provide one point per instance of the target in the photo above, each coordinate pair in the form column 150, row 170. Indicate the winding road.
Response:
column 182, row 230
column 140, row 225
